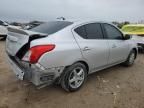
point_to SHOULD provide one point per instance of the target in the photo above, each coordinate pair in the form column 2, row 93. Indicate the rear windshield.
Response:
column 51, row 27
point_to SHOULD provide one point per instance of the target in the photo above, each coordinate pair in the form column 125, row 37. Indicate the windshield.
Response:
column 51, row 27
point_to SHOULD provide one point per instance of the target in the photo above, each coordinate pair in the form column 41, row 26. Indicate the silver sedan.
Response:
column 67, row 52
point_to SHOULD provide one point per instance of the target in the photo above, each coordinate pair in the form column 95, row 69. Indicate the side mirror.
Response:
column 127, row 37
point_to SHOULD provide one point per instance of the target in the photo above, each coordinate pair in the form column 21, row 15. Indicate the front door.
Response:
column 119, row 47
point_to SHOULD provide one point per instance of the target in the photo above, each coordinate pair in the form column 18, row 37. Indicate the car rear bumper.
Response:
column 34, row 72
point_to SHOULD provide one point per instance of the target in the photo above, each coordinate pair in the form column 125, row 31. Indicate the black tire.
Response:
column 130, row 62
column 67, row 74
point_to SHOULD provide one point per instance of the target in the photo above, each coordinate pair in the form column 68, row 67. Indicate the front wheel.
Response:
column 131, row 58
column 74, row 77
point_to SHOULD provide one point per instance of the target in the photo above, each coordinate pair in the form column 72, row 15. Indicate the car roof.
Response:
column 87, row 21
column 81, row 22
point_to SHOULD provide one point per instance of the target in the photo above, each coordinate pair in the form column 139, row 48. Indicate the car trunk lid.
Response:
column 18, row 38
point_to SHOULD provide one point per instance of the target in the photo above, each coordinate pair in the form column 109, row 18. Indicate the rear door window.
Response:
column 90, row 31
column 94, row 31
column 81, row 32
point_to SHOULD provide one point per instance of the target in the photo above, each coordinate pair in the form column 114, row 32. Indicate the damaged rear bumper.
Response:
column 34, row 73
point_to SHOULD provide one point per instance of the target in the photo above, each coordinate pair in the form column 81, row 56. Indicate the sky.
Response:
column 44, row 10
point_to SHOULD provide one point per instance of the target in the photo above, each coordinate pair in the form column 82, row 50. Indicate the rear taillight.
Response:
column 36, row 52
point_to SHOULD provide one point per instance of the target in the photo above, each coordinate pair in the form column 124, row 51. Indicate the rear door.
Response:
column 92, row 44
column 119, row 48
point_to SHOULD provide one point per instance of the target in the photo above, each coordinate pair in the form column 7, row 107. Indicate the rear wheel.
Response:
column 74, row 77
column 131, row 58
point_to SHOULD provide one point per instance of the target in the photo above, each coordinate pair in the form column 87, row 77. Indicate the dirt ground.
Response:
column 117, row 87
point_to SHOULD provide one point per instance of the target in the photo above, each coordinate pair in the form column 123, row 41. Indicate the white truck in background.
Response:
column 3, row 30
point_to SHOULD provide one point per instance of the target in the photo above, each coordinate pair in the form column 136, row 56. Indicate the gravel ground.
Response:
column 116, row 87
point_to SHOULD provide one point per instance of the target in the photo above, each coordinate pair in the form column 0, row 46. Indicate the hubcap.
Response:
column 132, row 58
column 76, row 77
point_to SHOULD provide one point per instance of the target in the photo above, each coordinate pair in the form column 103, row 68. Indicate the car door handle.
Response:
column 86, row 49
column 114, row 46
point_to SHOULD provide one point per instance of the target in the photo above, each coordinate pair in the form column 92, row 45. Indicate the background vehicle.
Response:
column 140, row 42
column 66, row 52
column 137, row 32
column 3, row 29
column 134, row 29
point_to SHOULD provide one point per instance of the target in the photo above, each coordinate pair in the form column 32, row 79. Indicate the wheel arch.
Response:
column 83, row 62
